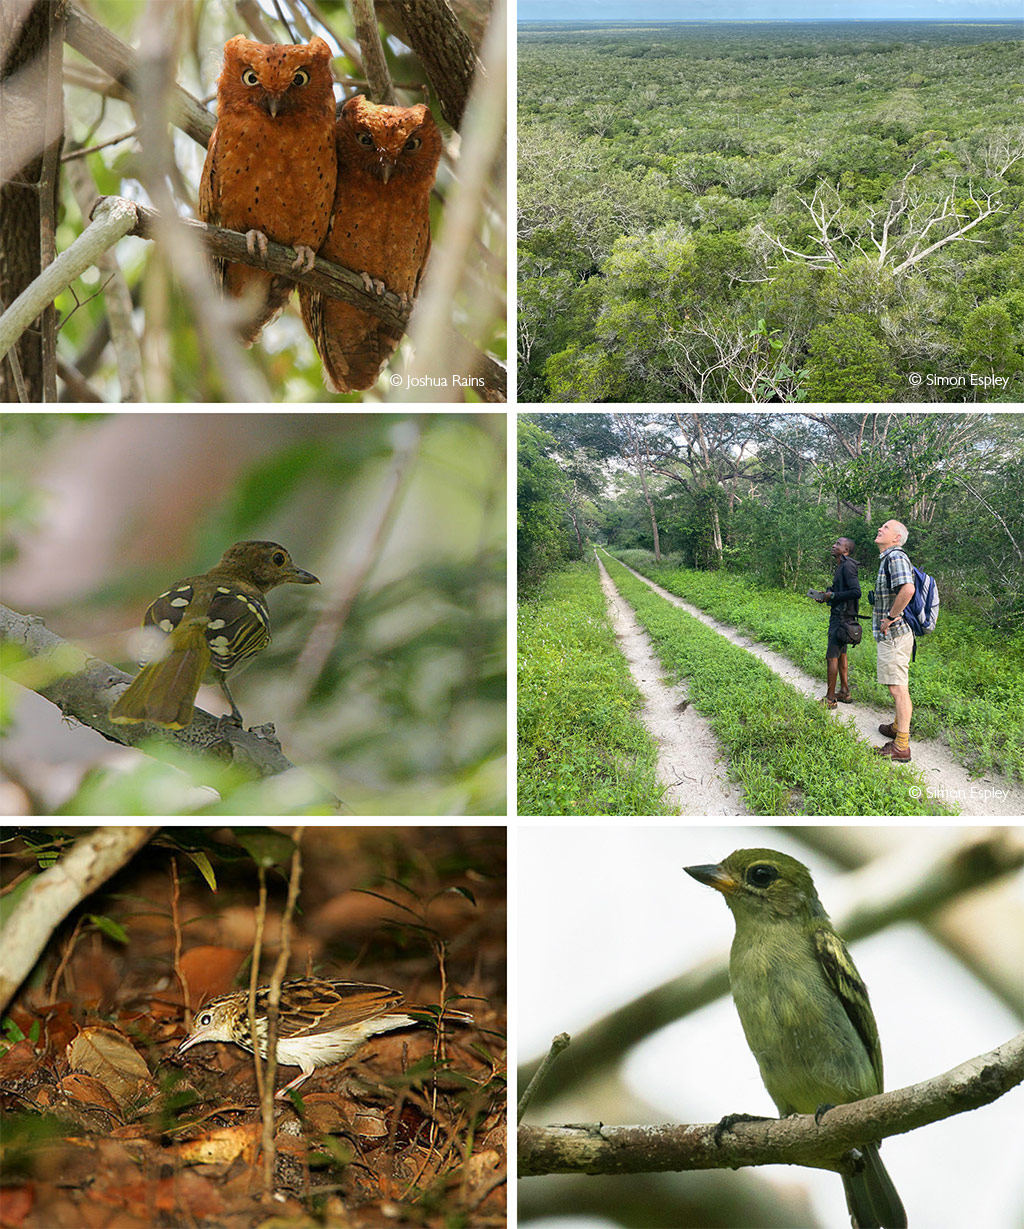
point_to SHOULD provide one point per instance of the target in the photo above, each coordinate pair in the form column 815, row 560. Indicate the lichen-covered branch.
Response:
column 110, row 223
column 84, row 687
column 797, row 1140
column 444, row 49
column 364, row 19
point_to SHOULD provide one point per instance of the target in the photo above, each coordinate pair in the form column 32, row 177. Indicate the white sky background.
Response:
column 607, row 912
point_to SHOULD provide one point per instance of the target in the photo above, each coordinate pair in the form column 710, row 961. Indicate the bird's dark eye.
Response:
column 761, row 875
column 413, row 143
column 364, row 138
column 278, row 558
column 205, row 1019
column 249, row 77
column 301, row 77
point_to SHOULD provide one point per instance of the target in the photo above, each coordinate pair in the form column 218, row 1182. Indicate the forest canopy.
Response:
column 767, row 494
column 740, row 212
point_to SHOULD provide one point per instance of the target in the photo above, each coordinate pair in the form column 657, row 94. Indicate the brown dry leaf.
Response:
column 482, row 1170
column 210, row 971
column 59, row 1028
column 222, row 1146
column 15, row 1204
column 87, row 1090
column 370, row 1124
column 19, row 1061
column 185, row 1197
column 324, row 1113
column 112, row 1059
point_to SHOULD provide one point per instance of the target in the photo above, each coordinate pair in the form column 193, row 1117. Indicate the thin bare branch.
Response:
column 364, row 19
column 797, row 1140
column 111, row 222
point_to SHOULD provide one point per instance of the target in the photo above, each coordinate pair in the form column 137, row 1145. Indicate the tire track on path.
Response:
column 692, row 765
column 947, row 780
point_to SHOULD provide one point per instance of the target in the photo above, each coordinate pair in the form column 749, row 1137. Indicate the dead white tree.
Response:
column 906, row 230
column 711, row 355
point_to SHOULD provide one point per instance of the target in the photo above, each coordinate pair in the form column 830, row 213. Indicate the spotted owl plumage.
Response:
column 387, row 163
column 271, row 165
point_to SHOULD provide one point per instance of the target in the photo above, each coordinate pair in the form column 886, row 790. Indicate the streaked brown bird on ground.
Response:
column 320, row 1021
column 211, row 626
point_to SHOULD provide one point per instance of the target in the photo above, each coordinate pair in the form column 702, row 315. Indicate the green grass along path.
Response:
column 582, row 746
column 691, row 763
column 762, row 714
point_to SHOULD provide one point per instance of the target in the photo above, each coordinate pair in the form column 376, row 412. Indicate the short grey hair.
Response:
column 902, row 533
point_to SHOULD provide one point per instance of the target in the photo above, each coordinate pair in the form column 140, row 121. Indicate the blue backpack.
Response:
column 922, row 611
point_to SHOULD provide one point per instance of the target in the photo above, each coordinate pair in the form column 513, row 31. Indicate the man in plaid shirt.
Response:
column 893, row 589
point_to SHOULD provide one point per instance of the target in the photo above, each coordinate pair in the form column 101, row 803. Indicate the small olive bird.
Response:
column 803, row 1007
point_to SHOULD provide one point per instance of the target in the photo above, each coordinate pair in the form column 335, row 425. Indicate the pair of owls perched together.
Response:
column 355, row 191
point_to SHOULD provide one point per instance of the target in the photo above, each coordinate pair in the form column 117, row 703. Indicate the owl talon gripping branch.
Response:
column 305, row 258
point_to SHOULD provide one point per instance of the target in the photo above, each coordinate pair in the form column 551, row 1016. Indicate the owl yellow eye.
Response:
column 364, row 138
column 413, row 143
column 301, row 77
column 249, row 77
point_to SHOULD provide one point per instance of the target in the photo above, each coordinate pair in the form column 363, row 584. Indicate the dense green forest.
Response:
column 824, row 212
column 765, row 494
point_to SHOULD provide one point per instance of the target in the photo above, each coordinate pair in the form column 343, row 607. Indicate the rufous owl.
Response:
column 271, row 166
column 387, row 163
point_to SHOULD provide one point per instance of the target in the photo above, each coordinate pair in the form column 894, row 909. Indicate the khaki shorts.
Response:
column 894, row 660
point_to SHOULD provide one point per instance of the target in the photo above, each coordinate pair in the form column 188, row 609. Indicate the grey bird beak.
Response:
column 716, row 877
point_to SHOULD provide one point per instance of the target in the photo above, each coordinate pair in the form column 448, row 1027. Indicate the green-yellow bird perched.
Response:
column 803, row 1007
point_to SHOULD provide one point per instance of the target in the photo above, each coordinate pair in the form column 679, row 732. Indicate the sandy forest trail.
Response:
column 691, row 764
column 947, row 780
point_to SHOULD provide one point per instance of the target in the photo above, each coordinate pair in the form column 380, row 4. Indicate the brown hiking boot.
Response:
column 889, row 731
column 892, row 752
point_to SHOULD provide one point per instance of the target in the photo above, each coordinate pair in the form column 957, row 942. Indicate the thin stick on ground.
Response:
column 273, row 1002
column 179, row 972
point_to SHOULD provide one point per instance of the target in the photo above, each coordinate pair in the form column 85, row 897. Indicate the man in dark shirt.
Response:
column 843, row 597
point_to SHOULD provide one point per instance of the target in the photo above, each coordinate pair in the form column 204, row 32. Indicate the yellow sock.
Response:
column 902, row 740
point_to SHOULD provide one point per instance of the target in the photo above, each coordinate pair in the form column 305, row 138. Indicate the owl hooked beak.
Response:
column 385, row 167
column 274, row 103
